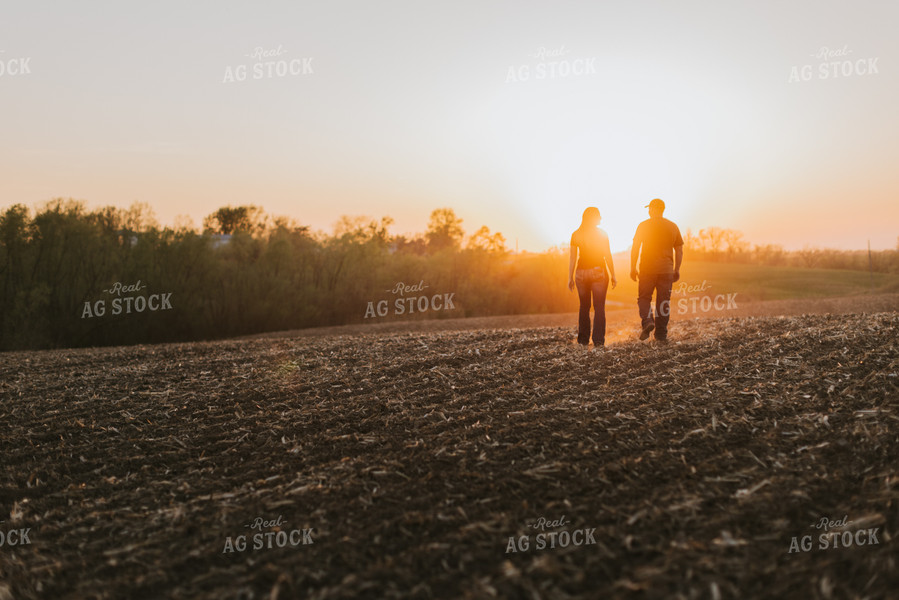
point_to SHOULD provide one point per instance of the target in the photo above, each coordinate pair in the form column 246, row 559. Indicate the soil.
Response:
column 411, row 458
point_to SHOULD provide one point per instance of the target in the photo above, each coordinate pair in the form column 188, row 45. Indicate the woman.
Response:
column 590, row 250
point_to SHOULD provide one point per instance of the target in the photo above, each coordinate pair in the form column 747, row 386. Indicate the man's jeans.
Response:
column 592, row 282
column 661, row 285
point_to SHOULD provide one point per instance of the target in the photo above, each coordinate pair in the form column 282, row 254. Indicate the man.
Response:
column 660, row 260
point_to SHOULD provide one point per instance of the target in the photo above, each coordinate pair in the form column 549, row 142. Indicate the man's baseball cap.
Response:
column 657, row 203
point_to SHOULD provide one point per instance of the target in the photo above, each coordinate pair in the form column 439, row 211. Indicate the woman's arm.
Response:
column 607, row 252
column 571, row 262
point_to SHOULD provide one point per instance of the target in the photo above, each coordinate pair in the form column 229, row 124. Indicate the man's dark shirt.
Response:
column 659, row 237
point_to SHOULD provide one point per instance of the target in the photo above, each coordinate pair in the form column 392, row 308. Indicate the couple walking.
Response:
column 659, row 246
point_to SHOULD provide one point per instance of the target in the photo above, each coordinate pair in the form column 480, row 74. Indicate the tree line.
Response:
column 728, row 245
column 244, row 272
column 73, row 277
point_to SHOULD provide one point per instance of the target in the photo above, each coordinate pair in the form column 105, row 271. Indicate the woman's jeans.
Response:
column 592, row 282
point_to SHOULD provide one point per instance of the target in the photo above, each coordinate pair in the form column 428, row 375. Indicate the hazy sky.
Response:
column 517, row 115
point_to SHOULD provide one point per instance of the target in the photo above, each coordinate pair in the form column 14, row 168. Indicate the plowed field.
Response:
column 407, row 461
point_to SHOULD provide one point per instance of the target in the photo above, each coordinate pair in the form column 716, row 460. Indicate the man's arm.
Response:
column 678, row 251
column 635, row 252
column 678, row 258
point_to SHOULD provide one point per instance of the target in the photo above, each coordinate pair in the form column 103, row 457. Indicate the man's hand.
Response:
column 614, row 282
column 676, row 276
column 571, row 284
column 634, row 274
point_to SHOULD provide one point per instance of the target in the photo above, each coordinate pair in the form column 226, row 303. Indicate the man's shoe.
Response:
column 662, row 341
column 647, row 329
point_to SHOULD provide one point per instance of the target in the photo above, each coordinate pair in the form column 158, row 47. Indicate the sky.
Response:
column 518, row 115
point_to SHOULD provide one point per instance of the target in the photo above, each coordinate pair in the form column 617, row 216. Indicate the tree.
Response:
column 444, row 230
column 139, row 218
column 769, row 254
column 482, row 239
column 233, row 219
column 712, row 239
column 692, row 242
column 14, row 238
column 361, row 229
column 809, row 256
column 417, row 245
column 736, row 245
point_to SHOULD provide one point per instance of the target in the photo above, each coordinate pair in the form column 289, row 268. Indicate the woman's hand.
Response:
column 614, row 282
column 571, row 284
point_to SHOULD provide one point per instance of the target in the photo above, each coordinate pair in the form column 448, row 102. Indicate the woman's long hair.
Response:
column 590, row 218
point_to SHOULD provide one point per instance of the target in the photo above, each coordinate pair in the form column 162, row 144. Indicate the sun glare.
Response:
column 618, row 177
column 618, row 155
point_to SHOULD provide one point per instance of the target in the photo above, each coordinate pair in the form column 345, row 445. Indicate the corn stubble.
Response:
column 415, row 457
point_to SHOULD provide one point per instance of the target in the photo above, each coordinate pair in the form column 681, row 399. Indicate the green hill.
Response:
column 754, row 282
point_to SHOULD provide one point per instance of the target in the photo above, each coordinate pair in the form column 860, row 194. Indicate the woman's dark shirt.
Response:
column 591, row 244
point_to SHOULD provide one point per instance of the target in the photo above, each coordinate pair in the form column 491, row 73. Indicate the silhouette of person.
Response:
column 659, row 268
column 590, row 250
